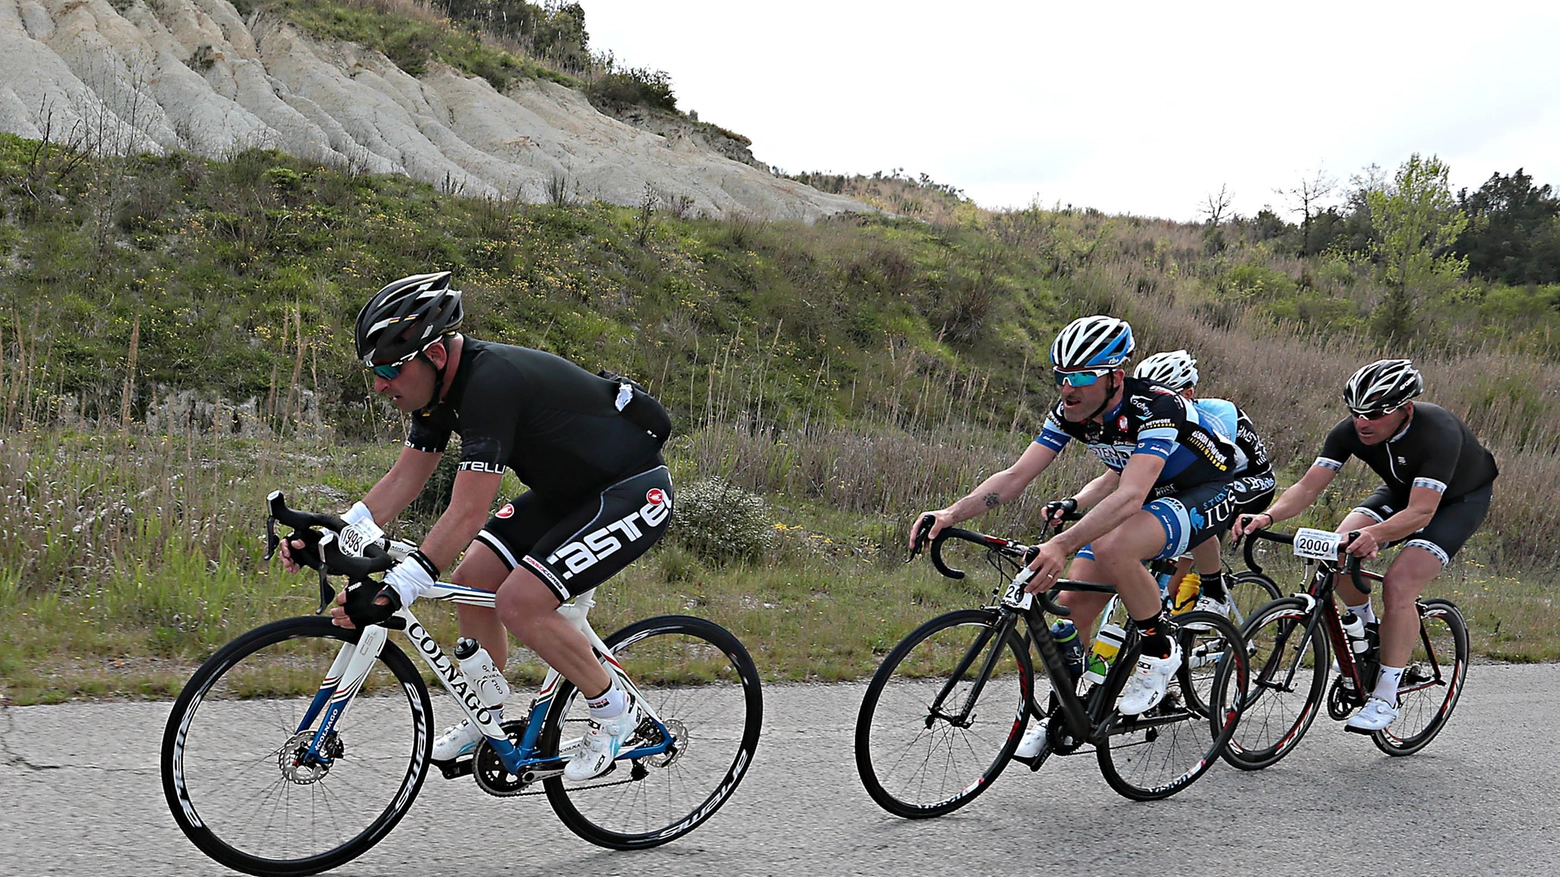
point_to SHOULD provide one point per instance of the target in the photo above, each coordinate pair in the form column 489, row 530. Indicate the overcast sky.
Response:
column 1132, row 107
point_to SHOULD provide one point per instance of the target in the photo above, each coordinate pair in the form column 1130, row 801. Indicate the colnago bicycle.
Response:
column 298, row 746
column 945, row 711
column 1291, row 639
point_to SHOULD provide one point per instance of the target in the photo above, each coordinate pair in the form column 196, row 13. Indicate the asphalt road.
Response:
column 80, row 795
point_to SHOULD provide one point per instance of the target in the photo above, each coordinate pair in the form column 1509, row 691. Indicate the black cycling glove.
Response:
column 362, row 606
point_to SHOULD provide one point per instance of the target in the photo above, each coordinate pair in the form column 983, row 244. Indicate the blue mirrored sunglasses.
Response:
column 392, row 370
column 1079, row 379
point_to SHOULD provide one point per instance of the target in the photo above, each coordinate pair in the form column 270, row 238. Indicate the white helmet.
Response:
column 1175, row 369
column 1092, row 342
column 1384, row 385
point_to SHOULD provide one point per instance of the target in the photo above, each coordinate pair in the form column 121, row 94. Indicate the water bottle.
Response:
column 1106, row 646
column 1187, row 592
column 1066, row 635
column 485, row 677
column 1355, row 629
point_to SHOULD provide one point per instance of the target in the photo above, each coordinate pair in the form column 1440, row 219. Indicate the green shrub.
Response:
column 638, row 86
column 719, row 522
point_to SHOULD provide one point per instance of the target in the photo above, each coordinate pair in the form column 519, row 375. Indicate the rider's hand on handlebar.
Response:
column 1048, row 565
column 1246, row 523
column 1363, row 545
column 1056, row 510
column 285, row 551
column 926, row 527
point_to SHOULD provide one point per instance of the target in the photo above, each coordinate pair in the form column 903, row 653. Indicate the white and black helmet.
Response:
column 1383, row 385
column 406, row 316
column 1092, row 342
column 1176, row 369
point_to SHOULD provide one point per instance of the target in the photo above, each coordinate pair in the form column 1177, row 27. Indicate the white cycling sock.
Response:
column 1387, row 684
column 611, row 704
column 1365, row 613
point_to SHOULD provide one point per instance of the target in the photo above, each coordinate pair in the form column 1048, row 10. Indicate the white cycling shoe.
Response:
column 1149, row 682
column 605, row 739
column 456, row 741
column 1376, row 715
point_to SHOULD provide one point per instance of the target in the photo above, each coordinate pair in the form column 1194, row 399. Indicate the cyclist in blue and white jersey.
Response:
column 1168, row 488
column 1254, row 484
column 1437, row 485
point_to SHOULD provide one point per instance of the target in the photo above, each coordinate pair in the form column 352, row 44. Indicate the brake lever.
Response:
column 922, row 537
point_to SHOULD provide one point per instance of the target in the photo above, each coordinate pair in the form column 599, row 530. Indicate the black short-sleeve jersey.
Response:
column 555, row 424
column 1435, row 450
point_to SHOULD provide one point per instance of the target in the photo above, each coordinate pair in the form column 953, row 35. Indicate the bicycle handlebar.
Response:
column 321, row 551
column 1016, row 550
column 1351, row 565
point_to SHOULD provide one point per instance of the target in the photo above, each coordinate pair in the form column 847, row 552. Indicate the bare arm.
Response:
column 396, row 489
column 471, row 503
column 1131, row 489
column 1098, row 489
column 1294, row 500
column 1422, row 503
column 994, row 491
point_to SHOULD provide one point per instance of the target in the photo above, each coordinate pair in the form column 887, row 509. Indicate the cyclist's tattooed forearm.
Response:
column 993, row 499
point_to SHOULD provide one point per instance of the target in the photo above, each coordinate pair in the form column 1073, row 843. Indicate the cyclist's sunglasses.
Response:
column 1377, row 414
column 392, row 370
column 1080, row 379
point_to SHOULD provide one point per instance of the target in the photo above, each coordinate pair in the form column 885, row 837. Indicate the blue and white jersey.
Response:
column 1152, row 419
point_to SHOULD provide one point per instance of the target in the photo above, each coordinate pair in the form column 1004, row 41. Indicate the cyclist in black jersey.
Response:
column 587, row 446
column 1253, row 487
column 1437, row 489
column 1167, row 488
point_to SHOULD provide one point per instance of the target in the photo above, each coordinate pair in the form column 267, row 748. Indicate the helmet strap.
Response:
column 1109, row 395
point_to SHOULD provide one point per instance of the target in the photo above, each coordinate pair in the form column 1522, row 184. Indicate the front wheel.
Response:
column 700, row 682
column 235, row 765
column 1289, row 667
column 1432, row 681
column 944, row 713
column 1164, row 750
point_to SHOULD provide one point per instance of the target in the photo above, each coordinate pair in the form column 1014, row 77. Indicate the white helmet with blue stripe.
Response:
column 1092, row 342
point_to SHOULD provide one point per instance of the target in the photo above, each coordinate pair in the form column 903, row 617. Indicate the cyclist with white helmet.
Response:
column 1254, row 484
column 1167, row 488
column 1437, row 488
column 587, row 447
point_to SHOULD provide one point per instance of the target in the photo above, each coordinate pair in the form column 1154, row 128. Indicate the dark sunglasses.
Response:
column 1375, row 415
column 1079, row 379
column 392, row 370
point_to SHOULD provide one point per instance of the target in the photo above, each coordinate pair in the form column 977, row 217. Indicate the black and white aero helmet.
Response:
column 1176, row 369
column 1092, row 342
column 406, row 316
column 1383, row 385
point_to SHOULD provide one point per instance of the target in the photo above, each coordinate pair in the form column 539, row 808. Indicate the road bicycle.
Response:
column 1292, row 640
column 945, row 711
column 299, row 745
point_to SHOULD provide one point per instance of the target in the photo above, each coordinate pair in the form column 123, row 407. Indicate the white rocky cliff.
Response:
column 153, row 75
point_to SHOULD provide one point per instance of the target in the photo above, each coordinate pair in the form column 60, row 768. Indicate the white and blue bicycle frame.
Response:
column 353, row 663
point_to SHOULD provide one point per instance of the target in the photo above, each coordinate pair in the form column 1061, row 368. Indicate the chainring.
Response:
column 489, row 770
column 1342, row 699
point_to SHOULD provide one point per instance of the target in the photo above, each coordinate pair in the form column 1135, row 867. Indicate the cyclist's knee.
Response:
column 522, row 601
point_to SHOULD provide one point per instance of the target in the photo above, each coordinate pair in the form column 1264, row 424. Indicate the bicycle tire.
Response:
column 917, row 764
column 224, row 753
column 702, row 683
column 1250, row 591
column 1289, row 678
column 1170, row 746
column 1430, row 688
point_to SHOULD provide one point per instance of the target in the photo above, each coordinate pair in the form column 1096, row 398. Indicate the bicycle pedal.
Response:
column 1361, row 731
column 456, row 768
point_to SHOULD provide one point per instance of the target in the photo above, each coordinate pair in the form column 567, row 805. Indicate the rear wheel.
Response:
column 1432, row 681
column 944, row 713
column 700, row 682
column 1250, row 591
column 1164, row 750
column 1288, row 674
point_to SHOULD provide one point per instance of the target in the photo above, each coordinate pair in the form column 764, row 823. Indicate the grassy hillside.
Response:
column 175, row 338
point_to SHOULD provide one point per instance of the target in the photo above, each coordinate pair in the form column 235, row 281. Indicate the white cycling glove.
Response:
column 412, row 577
column 361, row 530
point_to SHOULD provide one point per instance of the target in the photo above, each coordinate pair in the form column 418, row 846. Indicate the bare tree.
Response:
column 1216, row 204
column 1309, row 195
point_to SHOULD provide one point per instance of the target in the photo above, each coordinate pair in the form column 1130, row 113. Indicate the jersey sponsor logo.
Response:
column 508, row 511
column 1121, row 423
column 1114, row 456
column 482, row 466
column 655, row 496
column 587, row 551
column 1208, row 450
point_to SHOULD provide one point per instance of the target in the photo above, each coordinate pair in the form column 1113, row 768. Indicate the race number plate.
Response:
column 1317, row 544
column 1015, row 596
